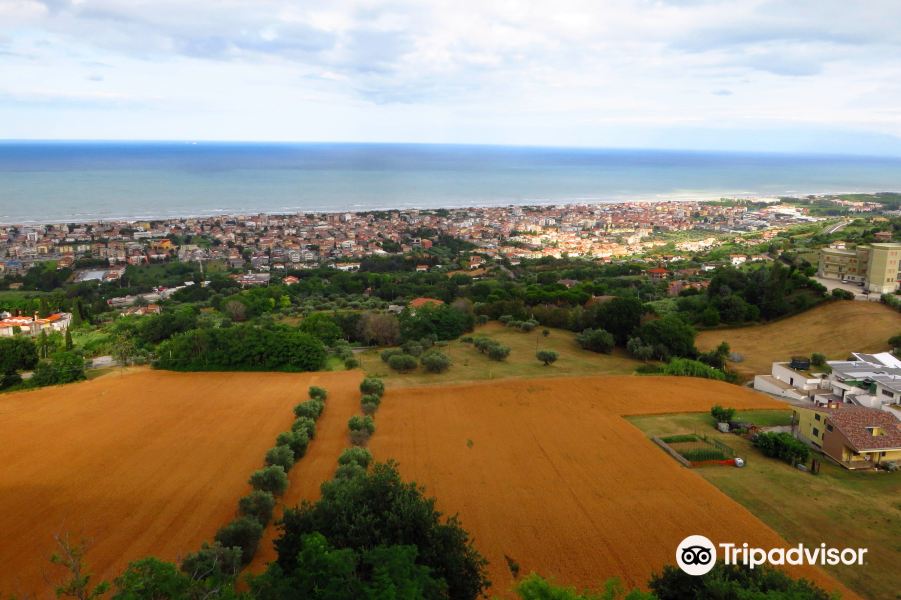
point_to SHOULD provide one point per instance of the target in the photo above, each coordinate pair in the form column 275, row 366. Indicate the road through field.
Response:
column 547, row 473
column 143, row 463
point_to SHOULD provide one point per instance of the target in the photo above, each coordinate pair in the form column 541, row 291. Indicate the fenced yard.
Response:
column 696, row 448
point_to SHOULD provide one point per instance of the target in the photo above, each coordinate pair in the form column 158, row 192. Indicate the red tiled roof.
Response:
column 420, row 302
column 856, row 423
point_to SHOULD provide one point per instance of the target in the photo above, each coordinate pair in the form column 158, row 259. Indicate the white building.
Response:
column 869, row 380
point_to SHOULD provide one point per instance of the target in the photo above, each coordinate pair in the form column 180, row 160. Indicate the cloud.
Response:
column 568, row 69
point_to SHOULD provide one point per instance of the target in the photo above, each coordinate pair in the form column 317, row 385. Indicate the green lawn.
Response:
column 839, row 507
column 471, row 365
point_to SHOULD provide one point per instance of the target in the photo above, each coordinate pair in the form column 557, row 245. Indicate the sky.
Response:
column 746, row 75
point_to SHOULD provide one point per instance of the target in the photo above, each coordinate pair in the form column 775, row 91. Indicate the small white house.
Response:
column 792, row 381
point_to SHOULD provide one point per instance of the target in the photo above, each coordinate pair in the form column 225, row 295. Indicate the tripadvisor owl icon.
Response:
column 696, row 555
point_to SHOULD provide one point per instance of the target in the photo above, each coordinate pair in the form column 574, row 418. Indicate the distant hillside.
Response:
column 835, row 329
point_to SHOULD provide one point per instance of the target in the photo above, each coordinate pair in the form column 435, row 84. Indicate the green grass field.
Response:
column 837, row 506
column 470, row 365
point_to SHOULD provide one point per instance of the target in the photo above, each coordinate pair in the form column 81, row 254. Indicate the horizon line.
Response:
column 261, row 142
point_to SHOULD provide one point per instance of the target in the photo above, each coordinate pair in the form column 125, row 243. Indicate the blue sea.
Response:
column 86, row 181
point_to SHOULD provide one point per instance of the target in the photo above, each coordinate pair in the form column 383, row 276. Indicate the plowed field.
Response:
column 146, row 463
column 548, row 473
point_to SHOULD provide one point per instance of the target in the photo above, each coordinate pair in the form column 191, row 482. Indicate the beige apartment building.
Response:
column 876, row 266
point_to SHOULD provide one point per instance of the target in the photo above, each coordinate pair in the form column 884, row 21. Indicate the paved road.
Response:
column 836, row 227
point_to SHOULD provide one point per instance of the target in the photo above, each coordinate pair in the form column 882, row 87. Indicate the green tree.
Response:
column 280, row 455
column 379, row 509
column 670, row 336
column 324, row 572
column 257, row 505
column 372, row 385
column 732, row 581
column 547, row 356
column 535, row 587
column 71, row 557
column 63, row 367
column 243, row 533
column 16, row 354
column 69, row 343
column 151, row 579
column 322, row 326
column 272, row 479
column 435, row 361
column 596, row 340
column 403, row 363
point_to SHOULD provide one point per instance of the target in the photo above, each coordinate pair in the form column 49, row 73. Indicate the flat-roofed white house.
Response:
column 868, row 380
column 792, row 380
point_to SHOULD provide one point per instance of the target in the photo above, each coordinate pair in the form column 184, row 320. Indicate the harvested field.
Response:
column 549, row 473
column 145, row 463
column 853, row 508
column 834, row 328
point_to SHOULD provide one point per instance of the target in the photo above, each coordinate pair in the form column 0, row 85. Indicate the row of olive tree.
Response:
column 255, row 510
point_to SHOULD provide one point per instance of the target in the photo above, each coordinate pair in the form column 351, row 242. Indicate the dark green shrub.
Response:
column 317, row 393
column 370, row 399
column 305, row 424
column 412, row 348
column 547, row 356
column 498, row 351
column 351, row 363
column 350, row 470
column 243, row 533
column 257, row 505
column 783, row 446
column 722, row 415
column 387, row 354
column 841, row 294
column 213, row 561
column 368, row 408
column 435, row 362
column 733, row 581
column 63, row 367
column 403, row 363
column 296, row 440
column 358, row 423
column 372, row 385
column 310, row 408
column 357, row 456
column 282, row 456
column 686, row 367
column 272, row 479
column 596, row 340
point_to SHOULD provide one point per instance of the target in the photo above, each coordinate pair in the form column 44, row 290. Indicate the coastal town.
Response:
column 281, row 243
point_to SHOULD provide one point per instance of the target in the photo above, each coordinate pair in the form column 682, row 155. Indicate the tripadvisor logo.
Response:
column 696, row 555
